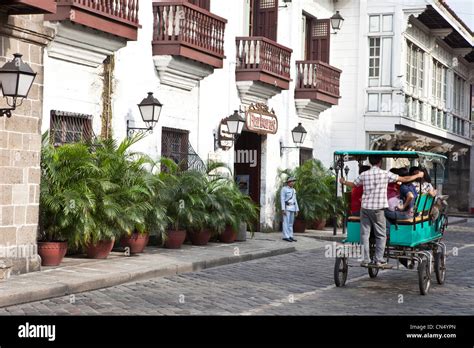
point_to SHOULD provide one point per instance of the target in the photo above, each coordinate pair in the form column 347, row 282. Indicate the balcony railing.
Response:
column 118, row 17
column 259, row 58
column 317, row 80
column 183, row 29
column 15, row 7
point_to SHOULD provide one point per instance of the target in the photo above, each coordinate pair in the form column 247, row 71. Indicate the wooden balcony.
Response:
column 181, row 29
column 317, row 88
column 317, row 81
column 117, row 17
column 22, row 7
column 263, row 60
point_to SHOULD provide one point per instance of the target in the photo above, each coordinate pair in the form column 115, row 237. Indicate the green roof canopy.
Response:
column 393, row 154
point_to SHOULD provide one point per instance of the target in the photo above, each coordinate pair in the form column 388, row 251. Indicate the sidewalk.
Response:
column 79, row 274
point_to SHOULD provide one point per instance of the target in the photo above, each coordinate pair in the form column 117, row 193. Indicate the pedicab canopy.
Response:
column 361, row 155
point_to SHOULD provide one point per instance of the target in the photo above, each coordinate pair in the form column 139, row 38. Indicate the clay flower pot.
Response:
column 201, row 237
column 136, row 242
column 51, row 253
column 100, row 250
column 319, row 224
column 228, row 235
column 175, row 239
column 299, row 226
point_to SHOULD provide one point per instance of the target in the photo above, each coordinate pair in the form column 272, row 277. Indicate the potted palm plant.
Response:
column 65, row 192
column 312, row 192
column 121, row 195
column 184, row 204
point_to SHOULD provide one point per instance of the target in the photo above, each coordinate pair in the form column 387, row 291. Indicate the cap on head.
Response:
column 291, row 178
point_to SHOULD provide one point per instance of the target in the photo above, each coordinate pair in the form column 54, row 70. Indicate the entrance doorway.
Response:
column 247, row 164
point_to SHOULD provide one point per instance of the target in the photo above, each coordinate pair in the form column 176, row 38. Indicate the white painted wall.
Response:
column 201, row 109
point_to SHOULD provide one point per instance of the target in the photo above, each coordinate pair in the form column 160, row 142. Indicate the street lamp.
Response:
column 150, row 109
column 235, row 123
column 336, row 21
column 299, row 134
column 16, row 79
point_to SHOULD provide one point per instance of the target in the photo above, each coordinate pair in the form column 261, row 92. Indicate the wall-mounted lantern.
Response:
column 235, row 124
column 150, row 109
column 299, row 134
column 336, row 22
column 16, row 79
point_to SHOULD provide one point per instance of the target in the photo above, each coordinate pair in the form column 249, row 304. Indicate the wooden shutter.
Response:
column 205, row 4
column 265, row 18
column 320, row 39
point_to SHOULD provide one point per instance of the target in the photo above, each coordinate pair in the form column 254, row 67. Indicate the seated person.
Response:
column 356, row 194
column 408, row 196
column 393, row 192
column 425, row 187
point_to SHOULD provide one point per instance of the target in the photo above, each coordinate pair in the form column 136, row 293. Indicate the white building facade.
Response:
column 202, row 59
column 408, row 70
column 394, row 76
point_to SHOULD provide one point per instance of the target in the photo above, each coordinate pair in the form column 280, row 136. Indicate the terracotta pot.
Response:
column 52, row 253
column 175, row 239
column 100, row 250
column 319, row 224
column 136, row 242
column 228, row 235
column 200, row 237
column 299, row 226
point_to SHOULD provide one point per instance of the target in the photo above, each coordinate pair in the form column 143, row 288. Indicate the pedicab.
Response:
column 416, row 242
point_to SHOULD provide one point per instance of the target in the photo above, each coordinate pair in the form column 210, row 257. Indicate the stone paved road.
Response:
column 300, row 283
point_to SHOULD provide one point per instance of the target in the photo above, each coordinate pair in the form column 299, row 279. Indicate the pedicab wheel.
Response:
column 440, row 266
column 373, row 272
column 424, row 276
column 340, row 271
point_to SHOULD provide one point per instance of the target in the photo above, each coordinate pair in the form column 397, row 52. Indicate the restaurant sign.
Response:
column 259, row 119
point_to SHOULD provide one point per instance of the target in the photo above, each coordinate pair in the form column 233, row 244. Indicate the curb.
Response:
column 457, row 221
column 63, row 289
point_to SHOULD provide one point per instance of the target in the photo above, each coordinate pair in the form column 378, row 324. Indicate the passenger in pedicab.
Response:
column 408, row 195
column 423, row 186
column 393, row 192
column 356, row 194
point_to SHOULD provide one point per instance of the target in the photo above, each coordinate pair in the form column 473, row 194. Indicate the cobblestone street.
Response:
column 300, row 283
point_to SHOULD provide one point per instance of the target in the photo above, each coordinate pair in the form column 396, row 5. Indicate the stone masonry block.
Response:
column 32, row 214
column 31, row 195
column 20, row 215
column 27, row 235
column 5, row 158
column 11, row 175
column 22, row 124
column 3, row 137
column 6, row 216
column 5, row 194
column 20, row 194
column 7, row 235
column 15, row 141
column 34, row 175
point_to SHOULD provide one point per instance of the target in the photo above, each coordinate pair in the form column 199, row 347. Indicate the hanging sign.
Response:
column 259, row 119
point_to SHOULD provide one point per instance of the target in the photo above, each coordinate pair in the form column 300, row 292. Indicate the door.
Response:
column 247, row 164
column 205, row 4
column 265, row 18
column 318, row 39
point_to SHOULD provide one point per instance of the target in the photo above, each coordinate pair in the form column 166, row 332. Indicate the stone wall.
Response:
column 20, row 145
